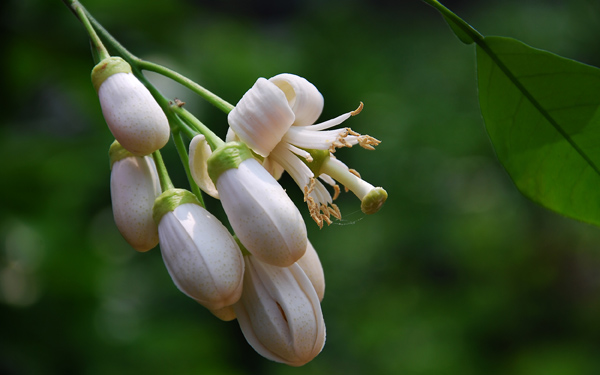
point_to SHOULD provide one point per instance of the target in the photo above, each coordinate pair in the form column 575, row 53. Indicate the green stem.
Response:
column 168, row 107
column 81, row 13
column 209, row 96
column 163, row 175
column 213, row 140
column 183, row 155
column 138, row 64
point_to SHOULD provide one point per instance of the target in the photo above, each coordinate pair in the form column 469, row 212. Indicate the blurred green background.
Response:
column 457, row 274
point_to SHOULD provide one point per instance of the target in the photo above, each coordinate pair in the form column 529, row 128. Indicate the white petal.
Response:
column 201, row 256
column 261, row 117
column 262, row 215
column 311, row 265
column 134, row 186
column 304, row 98
column 273, row 168
column 199, row 153
column 226, row 313
column 133, row 116
column 231, row 136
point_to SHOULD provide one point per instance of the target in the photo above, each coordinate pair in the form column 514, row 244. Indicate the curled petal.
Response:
column 199, row 154
column 303, row 97
column 261, row 117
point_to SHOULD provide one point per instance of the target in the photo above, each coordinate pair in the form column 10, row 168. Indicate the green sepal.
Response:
column 373, row 201
column 108, row 67
column 170, row 200
column 116, row 152
column 319, row 157
column 228, row 156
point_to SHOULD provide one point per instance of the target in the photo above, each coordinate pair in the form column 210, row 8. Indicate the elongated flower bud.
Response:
column 131, row 113
column 134, row 186
column 262, row 215
column 280, row 314
column 201, row 256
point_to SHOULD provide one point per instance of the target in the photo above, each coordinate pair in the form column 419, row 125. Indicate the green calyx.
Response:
column 373, row 201
column 116, row 152
column 108, row 67
column 319, row 157
column 170, row 200
column 228, row 156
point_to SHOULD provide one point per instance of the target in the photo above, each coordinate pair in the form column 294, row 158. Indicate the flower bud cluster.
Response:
column 267, row 275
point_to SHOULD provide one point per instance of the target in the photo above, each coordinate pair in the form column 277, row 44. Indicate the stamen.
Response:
column 309, row 188
column 354, row 172
column 313, row 209
column 336, row 191
column 366, row 141
column 325, row 214
column 357, row 110
column 300, row 152
column 341, row 141
column 334, row 210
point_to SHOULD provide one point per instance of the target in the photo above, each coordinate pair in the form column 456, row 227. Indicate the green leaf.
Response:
column 465, row 32
column 542, row 113
column 458, row 31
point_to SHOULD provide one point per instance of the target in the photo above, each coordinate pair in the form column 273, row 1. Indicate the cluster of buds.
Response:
column 266, row 275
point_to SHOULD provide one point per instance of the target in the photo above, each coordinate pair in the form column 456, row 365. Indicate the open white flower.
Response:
column 280, row 314
column 134, row 186
column 275, row 119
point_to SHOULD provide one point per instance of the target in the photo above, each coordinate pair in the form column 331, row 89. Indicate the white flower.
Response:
column 261, row 214
column 134, row 186
column 280, row 314
column 275, row 119
column 201, row 256
column 131, row 113
column 311, row 265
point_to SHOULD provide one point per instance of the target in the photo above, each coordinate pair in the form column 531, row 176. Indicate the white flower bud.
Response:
column 311, row 265
column 134, row 186
column 201, row 256
column 131, row 113
column 280, row 314
column 226, row 313
column 261, row 213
